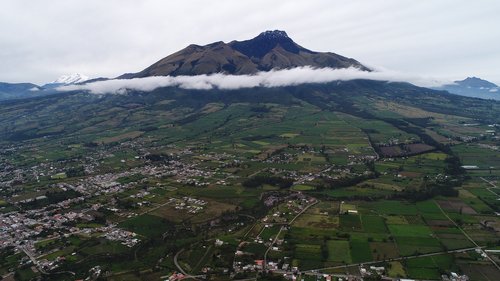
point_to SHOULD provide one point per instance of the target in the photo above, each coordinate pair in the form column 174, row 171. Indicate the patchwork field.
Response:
column 146, row 184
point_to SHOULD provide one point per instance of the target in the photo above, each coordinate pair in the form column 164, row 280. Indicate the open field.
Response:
column 338, row 251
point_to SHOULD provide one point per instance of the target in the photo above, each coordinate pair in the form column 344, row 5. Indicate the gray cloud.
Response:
column 41, row 40
column 275, row 78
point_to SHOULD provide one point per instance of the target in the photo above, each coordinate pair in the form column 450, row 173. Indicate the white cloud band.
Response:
column 275, row 78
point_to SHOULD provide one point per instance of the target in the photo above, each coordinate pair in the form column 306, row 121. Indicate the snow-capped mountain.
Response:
column 70, row 79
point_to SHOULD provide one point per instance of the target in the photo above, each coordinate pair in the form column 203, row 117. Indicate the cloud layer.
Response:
column 275, row 78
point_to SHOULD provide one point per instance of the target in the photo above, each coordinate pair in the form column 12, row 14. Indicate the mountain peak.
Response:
column 261, row 45
column 70, row 79
column 473, row 87
column 475, row 82
column 271, row 49
column 274, row 34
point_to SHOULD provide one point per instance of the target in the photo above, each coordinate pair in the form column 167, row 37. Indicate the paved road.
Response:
column 282, row 227
column 248, row 232
column 493, row 186
column 35, row 263
column 303, row 210
column 203, row 257
column 33, row 259
column 373, row 147
column 177, row 263
column 155, row 208
column 270, row 246
column 394, row 259
column 186, row 275
column 470, row 238
column 261, row 170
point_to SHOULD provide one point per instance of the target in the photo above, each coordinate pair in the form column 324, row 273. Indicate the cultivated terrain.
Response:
column 353, row 179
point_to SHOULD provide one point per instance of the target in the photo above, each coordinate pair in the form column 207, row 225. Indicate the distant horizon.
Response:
column 44, row 40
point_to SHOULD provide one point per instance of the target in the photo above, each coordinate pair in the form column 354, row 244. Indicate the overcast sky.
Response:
column 42, row 40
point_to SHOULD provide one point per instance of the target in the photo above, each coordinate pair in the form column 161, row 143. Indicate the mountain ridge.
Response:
column 70, row 79
column 17, row 90
column 269, row 50
column 473, row 87
column 476, row 82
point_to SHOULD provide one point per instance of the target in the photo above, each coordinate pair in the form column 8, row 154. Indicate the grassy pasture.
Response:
column 302, row 187
column 396, row 220
column 471, row 154
column 393, row 208
column 350, row 223
column 411, row 245
column 121, row 137
column 373, row 224
column 299, row 234
column 105, row 247
column 382, row 132
column 307, row 251
column 457, row 242
column 396, row 269
column 338, row 251
column 147, row 225
column 383, row 250
column 423, row 273
column 342, row 193
column 257, row 249
column 480, row 272
column 410, row 230
column 428, row 206
column 270, row 232
column 317, row 221
column 360, row 250
column 308, row 264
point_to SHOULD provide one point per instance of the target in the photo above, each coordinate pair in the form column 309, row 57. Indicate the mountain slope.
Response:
column 89, row 117
column 269, row 50
column 473, row 87
column 17, row 90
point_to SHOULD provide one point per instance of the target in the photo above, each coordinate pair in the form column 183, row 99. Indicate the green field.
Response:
column 394, row 208
column 360, row 251
column 302, row 187
column 307, row 252
column 147, row 225
column 410, row 230
column 350, row 222
column 338, row 251
column 373, row 224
